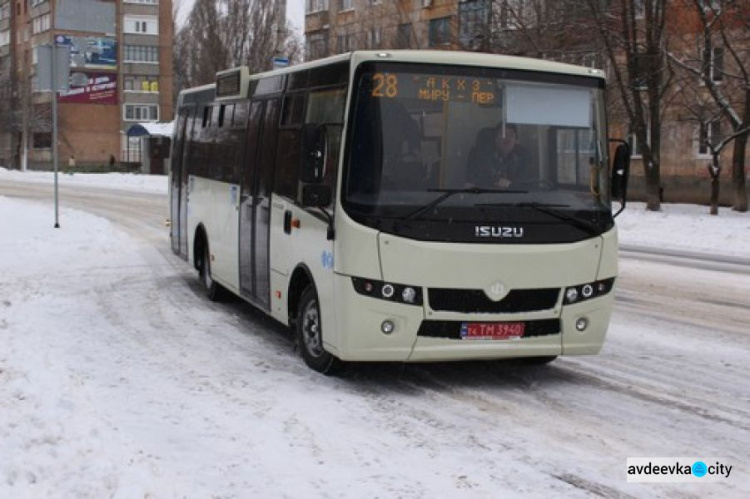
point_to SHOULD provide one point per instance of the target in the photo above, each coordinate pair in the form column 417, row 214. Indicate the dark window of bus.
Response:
column 240, row 114
column 224, row 159
column 216, row 114
column 222, row 113
column 265, row 167
column 298, row 80
column 330, row 75
column 287, row 163
column 326, row 107
column 251, row 146
column 293, row 109
column 197, row 151
column 206, row 116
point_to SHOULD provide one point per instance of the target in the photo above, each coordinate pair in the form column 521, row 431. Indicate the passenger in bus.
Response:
column 498, row 159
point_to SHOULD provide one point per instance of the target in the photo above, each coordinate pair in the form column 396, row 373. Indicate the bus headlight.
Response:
column 583, row 292
column 399, row 293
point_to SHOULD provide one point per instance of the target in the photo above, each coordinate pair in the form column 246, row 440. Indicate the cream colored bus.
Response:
column 405, row 206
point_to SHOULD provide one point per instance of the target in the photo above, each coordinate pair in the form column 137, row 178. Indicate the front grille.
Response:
column 476, row 301
column 452, row 329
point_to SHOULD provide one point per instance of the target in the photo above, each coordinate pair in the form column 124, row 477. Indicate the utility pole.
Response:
column 54, row 75
column 54, row 130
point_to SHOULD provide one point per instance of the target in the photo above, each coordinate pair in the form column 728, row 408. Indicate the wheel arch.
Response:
column 301, row 279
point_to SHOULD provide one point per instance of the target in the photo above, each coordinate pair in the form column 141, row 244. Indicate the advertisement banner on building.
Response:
column 90, row 52
column 91, row 88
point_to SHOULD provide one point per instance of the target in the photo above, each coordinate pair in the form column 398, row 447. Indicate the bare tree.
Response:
column 634, row 38
column 220, row 34
column 702, row 110
column 721, row 61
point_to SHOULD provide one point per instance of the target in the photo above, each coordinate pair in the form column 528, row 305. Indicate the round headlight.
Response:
column 409, row 295
column 587, row 291
column 571, row 295
column 387, row 291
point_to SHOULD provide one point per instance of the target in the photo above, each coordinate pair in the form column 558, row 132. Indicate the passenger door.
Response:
column 178, row 198
column 255, row 206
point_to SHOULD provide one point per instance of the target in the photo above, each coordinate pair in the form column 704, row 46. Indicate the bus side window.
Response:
column 287, row 163
column 286, row 178
column 326, row 106
column 240, row 114
column 292, row 109
column 195, row 151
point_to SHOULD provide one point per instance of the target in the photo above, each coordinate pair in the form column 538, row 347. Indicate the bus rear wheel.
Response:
column 213, row 290
column 310, row 335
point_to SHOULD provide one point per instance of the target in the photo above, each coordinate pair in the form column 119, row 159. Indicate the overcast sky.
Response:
column 295, row 12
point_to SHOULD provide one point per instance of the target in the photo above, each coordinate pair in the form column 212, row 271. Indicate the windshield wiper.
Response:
column 588, row 228
column 446, row 193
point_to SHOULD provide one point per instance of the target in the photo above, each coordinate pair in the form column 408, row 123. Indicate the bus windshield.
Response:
column 518, row 146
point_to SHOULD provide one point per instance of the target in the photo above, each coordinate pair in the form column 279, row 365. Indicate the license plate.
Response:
column 492, row 330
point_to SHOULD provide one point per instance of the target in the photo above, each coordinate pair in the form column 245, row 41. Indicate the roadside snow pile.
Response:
column 686, row 227
column 123, row 181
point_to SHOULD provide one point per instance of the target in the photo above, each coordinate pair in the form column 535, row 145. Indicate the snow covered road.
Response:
column 118, row 379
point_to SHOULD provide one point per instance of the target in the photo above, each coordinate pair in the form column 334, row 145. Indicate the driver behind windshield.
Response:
column 498, row 159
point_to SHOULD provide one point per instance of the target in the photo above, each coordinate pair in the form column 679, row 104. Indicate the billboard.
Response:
column 90, row 52
column 85, row 15
column 91, row 88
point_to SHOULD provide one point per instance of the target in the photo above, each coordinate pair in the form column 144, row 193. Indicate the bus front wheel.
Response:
column 310, row 335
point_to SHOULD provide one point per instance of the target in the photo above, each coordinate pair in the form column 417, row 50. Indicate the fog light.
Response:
column 387, row 327
column 587, row 291
column 409, row 295
column 571, row 295
column 582, row 324
column 387, row 291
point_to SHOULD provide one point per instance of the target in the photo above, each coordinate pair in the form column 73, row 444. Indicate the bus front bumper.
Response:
column 421, row 335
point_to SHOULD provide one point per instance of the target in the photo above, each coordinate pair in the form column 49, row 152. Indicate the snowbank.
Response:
column 121, row 181
column 686, row 227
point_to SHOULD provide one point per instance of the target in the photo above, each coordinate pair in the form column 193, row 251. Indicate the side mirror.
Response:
column 621, row 174
column 313, row 155
column 316, row 196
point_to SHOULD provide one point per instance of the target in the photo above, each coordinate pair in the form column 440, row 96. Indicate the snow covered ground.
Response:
column 118, row 379
column 122, row 181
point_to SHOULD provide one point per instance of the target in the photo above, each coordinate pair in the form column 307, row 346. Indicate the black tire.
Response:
column 213, row 290
column 309, row 333
column 539, row 361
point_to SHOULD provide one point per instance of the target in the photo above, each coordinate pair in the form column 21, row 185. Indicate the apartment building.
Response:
column 120, row 74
